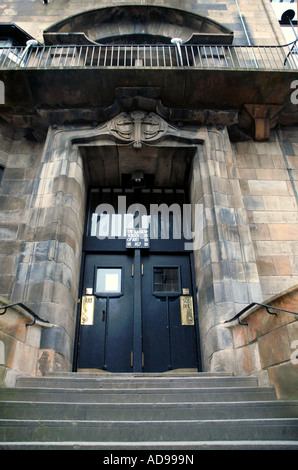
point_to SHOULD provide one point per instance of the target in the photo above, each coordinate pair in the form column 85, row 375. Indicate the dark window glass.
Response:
column 166, row 280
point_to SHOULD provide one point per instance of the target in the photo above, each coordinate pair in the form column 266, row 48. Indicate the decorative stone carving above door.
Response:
column 137, row 128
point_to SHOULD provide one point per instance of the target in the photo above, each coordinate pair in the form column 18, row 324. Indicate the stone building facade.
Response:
column 215, row 117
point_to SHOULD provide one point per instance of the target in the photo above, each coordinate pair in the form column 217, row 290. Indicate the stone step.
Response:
column 138, row 395
column 144, row 431
column 110, row 382
column 165, row 447
column 147, row 411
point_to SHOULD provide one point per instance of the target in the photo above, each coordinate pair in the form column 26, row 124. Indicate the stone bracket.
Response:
column 263, row 118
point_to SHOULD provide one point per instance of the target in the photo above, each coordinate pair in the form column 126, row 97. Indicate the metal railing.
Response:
column 195, row 56
column 32, row 314
column 253, row 304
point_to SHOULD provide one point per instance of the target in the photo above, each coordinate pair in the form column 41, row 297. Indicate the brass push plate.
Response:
column 87, row 310
column 186, row 307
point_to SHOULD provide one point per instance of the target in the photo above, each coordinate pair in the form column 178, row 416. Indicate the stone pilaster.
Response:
column 226, row 272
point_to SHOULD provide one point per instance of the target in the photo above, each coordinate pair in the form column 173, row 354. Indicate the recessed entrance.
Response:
column 138, row 309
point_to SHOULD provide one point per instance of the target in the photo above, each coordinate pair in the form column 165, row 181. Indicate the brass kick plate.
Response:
column 186, row 308
column 87, row 310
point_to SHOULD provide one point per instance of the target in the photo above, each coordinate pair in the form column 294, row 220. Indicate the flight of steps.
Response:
column 145, row 411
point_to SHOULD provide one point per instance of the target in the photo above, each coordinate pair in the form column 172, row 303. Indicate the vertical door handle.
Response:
column 103, row 315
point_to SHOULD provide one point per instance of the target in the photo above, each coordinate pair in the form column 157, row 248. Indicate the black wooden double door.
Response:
column 137, row 324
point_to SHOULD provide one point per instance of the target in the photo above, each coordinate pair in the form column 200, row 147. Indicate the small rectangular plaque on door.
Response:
column 186, row 307
column 87, row 310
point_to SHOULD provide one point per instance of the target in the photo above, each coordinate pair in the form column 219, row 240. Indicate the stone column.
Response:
column 226, row 272
column 49, row 268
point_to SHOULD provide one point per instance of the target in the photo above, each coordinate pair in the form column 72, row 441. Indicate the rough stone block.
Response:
column 274, row 347
column 248, row 359
column 285, row 379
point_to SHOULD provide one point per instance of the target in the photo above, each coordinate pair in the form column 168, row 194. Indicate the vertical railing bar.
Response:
column 170, row 56
column 118, row 56
column 27, row 57
column 73, row 56
column 193, row 57
column 255, row 57
column 265, row 49
column 157, row 56
column 66, row 56
column 248, row 49
column 8, row 57
column 280, row 57
column 2, row 54
column 243, row 56
column 10, row 53
column 236, row 54
column 186, row 54
column 112, row 55
column 290, row 59
column 19, row 61
column 79, row 55
column 105, row 56
column 292, row 56
column 17, row 55
column 261, row 55
column 35, row 56
column 200, row 56
column 278, row 48
column 211, row 55
column 53, row 53
column 48, row 55
column 86, row 56
column 218, row 56
column 99, row 54
column 252, row 56
column 124, row 56
column 271, row 51
column 177, row 57
column 22, row 62
column 92, row 56
column 275, row 54
column 82, row 54
column 164, row 56
column 224, row 56
column 231, row 56
column 60, row 57
column 40, row 56
column 206, row 55
column 20, row 56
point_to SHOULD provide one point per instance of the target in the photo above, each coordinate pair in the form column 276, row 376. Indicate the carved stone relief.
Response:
column 137, row 128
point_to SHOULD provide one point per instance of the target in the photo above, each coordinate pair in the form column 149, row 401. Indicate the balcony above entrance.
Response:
column 179, row 65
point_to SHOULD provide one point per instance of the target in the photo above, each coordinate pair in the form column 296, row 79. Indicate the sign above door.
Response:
column 137, row 238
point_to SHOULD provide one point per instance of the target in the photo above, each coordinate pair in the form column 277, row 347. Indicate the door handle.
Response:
column 103, row 315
